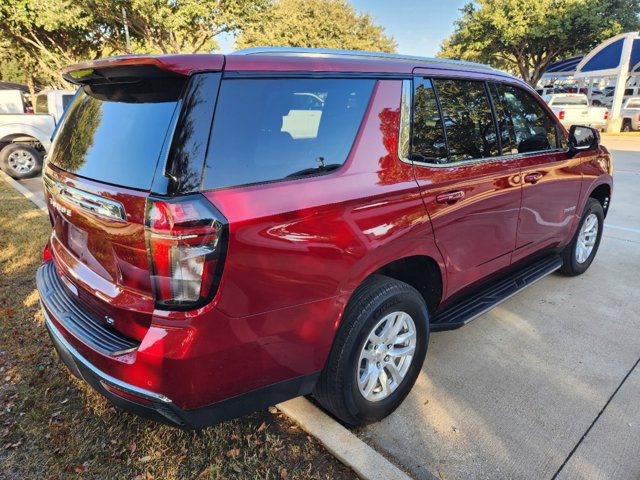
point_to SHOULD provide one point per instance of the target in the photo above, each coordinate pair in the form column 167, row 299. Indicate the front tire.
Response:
column 377, row 353
column 20, row 161
column 578, row 255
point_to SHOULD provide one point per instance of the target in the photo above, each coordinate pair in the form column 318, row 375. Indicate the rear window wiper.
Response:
column 315, row 170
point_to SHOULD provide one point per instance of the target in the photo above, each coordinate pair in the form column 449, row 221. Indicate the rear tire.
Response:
column 20, row 161
column 379, row 348
column 626, row 126
column 578, row 255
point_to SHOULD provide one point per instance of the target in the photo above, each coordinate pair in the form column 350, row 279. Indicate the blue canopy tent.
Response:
column 563, row 68
column 617, row 57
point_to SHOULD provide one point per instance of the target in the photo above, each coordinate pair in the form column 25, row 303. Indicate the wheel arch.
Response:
column 431, row 283
column 23, row 135
column 602, row 193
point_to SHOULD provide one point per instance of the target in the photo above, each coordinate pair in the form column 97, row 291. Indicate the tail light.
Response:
column 186, row 243
column 606, row 114
column 46, row 253
column 561, row 115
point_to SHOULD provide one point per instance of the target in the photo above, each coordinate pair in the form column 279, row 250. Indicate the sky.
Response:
column 418, row 26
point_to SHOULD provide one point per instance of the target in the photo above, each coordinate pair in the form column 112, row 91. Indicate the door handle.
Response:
column 450, row 197
column 532, row 177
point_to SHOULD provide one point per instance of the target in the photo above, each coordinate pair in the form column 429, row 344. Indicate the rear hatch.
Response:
column 114, row 147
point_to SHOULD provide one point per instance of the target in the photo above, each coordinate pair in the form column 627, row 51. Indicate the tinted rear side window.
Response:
column 66, row 100
column 42, row 104
column 272, row 129
column 114, row 134
column 468, row 119
column 427, row 144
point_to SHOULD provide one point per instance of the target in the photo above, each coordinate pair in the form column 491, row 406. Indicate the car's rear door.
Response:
column 551, row 179
column 470, row 189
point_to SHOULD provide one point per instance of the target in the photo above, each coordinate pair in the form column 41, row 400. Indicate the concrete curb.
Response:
column 344, row 445
column 30, row 196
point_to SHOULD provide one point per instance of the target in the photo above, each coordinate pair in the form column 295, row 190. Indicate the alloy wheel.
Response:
column 386, row 356
column 21, row 161
column 587, row 238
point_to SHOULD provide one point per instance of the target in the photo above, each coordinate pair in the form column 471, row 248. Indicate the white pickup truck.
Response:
column 630, row 114
column 26, row 138
column 574, row 109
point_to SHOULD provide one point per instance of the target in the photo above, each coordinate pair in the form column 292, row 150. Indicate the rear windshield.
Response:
column 560, row 101
column 273, row 129
column 114, row 134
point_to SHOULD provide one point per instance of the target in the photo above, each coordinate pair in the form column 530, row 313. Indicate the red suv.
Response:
column 233, row 231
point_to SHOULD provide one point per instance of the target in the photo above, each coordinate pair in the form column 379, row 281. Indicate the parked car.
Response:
column 574, row 109
column 26, row 138
column 631, row 114
column 205, row 263
column 607, row 100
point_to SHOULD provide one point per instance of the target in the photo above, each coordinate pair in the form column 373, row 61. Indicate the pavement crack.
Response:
column 595, row 420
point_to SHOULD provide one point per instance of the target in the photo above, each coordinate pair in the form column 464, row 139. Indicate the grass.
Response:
column 52, row 426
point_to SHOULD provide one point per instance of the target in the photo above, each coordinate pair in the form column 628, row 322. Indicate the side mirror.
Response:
column 583, row 139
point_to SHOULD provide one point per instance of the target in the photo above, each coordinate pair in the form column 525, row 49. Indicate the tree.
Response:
column 46, row 35
column 166, row 26
column 316, row 24
column 526, row 36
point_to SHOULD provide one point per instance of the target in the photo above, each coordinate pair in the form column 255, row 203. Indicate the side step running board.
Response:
column 463, row 311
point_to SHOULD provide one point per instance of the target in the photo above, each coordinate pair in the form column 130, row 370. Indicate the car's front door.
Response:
column 471, row 191
column 551, row 179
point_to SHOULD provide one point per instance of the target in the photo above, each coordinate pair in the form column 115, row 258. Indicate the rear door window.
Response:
column 66, row 100
column 532, row 127
column 114, row 134
column 274, row 129
column 468, row 119
column 428, row 143
column 42, row 104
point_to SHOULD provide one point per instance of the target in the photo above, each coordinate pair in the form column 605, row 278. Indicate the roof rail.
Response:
column 329, row 53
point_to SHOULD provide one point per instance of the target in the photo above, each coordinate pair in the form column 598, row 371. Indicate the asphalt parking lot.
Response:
column 544, row 386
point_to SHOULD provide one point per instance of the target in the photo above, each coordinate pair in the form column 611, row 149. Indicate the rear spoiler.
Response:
column 127, row 67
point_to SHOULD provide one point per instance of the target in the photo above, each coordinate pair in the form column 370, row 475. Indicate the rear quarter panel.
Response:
column 302, row 241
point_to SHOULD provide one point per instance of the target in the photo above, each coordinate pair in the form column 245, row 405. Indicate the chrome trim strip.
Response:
column 404, row 152
column 498, row 158
column 99, row 206
column 103, row 377
column 328, row 52
column 404, row 135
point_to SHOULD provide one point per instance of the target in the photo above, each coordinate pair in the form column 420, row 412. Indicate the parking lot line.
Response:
column 626, row 229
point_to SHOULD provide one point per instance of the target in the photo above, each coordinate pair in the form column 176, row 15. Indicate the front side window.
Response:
column 427, row 143
column 468, row 120
column 273, row 129
column 532, row 127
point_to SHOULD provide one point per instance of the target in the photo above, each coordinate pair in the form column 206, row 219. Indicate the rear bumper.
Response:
column 150, row 405
column 89, row 355
column 160, row 408
column 596, row 125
